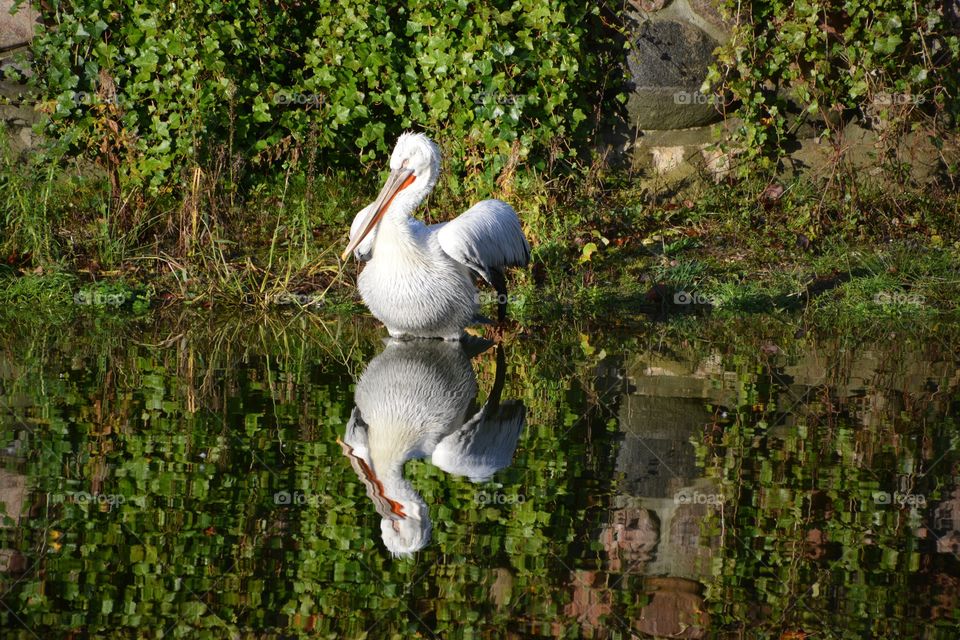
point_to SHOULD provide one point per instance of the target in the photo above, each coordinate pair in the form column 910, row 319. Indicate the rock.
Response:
column 718, row 162
column 16, row 29
column 676, row 610
column 710, row 12
column 649, row 6
column 666, row 67
column 24, row 140
column 667, row 159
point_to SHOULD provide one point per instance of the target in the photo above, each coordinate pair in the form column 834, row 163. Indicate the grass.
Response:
column 602, row 250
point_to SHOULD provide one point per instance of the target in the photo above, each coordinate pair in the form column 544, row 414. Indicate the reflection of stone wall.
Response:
column 946, row 524
column 13, row 492
column 656, row 463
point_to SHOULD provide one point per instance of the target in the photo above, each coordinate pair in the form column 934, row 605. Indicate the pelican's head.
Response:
column 404, row 536
column 414, row 168
column 419, row 154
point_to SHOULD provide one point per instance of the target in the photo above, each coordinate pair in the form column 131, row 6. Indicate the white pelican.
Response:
column 413, row 401
column 418, row 279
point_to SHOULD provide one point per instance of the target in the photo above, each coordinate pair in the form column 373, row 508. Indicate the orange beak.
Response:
column 397, row 182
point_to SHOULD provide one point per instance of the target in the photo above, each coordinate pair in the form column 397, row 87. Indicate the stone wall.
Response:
column 670, row 137
column 16, row 113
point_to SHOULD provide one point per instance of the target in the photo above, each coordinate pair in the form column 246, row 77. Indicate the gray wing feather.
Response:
column 484, row 444
column 487, row 237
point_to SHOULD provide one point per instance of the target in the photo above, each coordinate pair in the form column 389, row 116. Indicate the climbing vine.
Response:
column 891, row 63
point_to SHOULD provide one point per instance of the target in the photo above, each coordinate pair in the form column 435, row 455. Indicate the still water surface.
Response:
column 296, row 477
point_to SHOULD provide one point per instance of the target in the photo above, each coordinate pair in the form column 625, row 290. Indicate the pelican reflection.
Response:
column 417, row 399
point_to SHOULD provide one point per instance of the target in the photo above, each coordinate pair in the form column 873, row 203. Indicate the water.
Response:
column 196, row 477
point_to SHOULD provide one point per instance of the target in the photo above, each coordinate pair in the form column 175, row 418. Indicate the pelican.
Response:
column 419, row 279
column 413, row 401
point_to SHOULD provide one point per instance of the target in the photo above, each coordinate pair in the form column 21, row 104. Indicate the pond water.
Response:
column 204, row 477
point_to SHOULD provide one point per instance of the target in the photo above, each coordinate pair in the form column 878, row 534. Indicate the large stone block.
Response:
column 16, row 28
column 666, row 67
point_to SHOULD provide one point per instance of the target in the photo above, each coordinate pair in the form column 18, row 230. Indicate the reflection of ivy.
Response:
column 198, row 541
column 808, row 548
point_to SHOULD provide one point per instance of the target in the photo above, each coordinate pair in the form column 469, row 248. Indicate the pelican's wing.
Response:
column 484, row 444
column 487, row 237
column 364, row 250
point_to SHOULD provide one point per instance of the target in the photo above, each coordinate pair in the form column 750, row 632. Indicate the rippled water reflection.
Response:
column 249, row 479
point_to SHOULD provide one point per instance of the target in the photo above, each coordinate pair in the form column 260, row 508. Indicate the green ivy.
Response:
column 148, row 88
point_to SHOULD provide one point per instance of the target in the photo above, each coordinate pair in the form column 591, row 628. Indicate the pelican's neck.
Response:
column 389, row 470
column 406, row 202
column 391, row 450
column 398, row 230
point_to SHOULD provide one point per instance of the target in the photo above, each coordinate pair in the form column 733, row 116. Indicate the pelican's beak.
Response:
column 397, row 182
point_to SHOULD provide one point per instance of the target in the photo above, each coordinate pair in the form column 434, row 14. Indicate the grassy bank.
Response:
column 601, row 246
